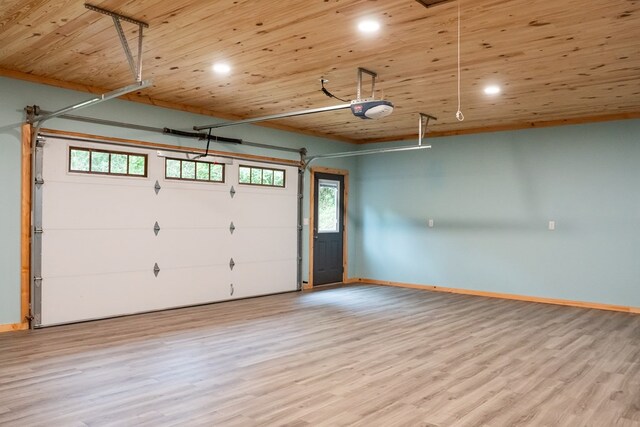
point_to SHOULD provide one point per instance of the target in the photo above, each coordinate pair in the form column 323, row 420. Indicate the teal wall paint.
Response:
column 16, row 94
column 491, row 196
column 10, row 155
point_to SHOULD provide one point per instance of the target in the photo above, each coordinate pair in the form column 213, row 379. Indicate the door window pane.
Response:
column 278, row 178
column 256, row 176
column 328, row 206
column 217, row 173
column 188, row 170
column 172, row 168
column 99, row 162
column 267, row 177
column 79, row 160
column 202, row 171
column 119, row 163
column 137, row 165
column 245, row 175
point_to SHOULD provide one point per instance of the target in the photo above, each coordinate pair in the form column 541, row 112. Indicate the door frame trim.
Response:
column 345, row 226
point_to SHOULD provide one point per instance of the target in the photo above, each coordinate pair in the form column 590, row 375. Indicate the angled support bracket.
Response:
column 422, row 126
column 135, row 65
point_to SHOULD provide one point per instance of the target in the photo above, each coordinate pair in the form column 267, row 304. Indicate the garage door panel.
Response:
column 99, row 247
column 201, row 207
column 249, row 278
column 179, row 287
column 193, row 247
column 86, row 297
column 264, row 244
column 264, row 209
column 76, row 205
column 80, row 252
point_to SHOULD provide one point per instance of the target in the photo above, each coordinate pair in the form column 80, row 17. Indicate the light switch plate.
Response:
column 430, row 223
column 552, row 225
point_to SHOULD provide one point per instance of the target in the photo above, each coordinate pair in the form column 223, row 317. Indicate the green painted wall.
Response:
column 491, row 197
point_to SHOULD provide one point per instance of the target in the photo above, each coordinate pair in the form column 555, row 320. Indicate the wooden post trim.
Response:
column 25, row 228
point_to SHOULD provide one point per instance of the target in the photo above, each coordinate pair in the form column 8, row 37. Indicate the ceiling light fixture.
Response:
column 221, row 68
column 492, row 90
column 368, row 26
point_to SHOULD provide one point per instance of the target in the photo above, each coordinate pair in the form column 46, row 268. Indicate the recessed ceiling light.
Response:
column 368, row 26
column 221, row 68
column 492, row 90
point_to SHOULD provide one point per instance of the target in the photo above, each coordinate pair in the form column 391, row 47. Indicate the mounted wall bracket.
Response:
column 136, row 66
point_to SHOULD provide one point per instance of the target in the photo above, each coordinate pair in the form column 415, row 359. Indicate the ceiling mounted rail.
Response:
column 104, row 97
column 422, row 129
column 136, row 66
column 367, row 108
column 275, row 116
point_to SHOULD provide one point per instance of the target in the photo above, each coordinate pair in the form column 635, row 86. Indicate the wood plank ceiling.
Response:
column 554, row 60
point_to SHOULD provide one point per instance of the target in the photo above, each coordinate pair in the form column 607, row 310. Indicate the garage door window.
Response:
column 191, row 170
column 88, row 160
column 261, row 176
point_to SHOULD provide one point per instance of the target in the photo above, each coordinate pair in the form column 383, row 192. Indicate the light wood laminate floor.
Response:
column 360, row 355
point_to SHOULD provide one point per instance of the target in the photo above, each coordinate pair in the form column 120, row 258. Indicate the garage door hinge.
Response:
column 232, row 264
column 157, row 187
column 156, row 269
column 39, row 180
column 300, row 196
column 37, row 281
column 156, row 228
column 299, row 228
column 40, row 141
column 37, row 230
column 232, row 191
column 232, row 227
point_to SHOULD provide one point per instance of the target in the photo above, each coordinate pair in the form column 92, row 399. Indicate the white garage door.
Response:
column 115, row 241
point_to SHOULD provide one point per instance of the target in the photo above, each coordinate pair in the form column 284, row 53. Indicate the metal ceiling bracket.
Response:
column 156, row 269
column 422, row 126
column 232, row 191
column 232, row 227
column 157, row 187
column 373, row 83
column 136, row 66
column 156, row 228
column 231, row 264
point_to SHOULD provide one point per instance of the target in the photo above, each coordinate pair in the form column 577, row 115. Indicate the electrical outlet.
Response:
column 430, row 223
column 552, row 225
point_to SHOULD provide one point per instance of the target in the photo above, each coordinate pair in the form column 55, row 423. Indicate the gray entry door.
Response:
column 328, row 228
